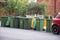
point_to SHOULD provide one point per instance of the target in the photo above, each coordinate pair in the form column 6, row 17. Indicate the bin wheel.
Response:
column 55, row 29
column 35, row 28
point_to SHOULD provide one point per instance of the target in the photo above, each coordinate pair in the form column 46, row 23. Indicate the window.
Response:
column 29, row 1
column 58, row 16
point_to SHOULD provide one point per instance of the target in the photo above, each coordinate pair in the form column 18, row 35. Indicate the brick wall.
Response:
column 58, row 6
column 51, row 6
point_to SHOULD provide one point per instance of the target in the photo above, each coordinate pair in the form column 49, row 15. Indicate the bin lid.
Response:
column 41, row 16
column 22, row 17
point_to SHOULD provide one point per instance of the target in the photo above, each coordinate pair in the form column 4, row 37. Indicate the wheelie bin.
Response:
column 49, row 23
column 21, row 22
column 5, row 21
column 14, row 22
column 39, row 24
column 27, row 23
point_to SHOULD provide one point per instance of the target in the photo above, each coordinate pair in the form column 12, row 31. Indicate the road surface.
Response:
column 21, row 34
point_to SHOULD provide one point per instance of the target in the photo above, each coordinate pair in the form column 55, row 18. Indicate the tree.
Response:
column 37, row 8
column 22, row 8
column 15, row 6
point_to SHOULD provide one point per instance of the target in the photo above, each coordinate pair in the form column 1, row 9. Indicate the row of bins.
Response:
column 20, row 22
column 16, row 22
column 26, row 23
column 4, row 21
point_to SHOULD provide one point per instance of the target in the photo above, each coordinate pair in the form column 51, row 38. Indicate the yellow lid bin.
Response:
column 44, row 23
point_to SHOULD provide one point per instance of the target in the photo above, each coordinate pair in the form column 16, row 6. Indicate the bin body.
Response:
column 27, row 23
column 39, row 24
column 21, row 23
column 49, row 22
column 11, row 22
column 14, row 22
column 4, row 21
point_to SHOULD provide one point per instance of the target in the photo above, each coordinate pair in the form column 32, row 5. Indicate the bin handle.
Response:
column 8, row 21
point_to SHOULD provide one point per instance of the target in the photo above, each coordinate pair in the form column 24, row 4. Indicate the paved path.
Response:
column 21, row 34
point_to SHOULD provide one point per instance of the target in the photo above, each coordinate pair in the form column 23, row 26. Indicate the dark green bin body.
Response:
column 49, row 22
column 27, row 23
column 21, row 23
column 14, row 22
column 39, row 24
column 4, row 21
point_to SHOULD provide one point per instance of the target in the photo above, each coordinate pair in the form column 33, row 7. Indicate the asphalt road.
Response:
column 21, row 34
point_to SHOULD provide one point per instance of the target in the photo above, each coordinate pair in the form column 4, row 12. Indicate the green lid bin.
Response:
column 39, row 24
column 5, row 21
column 27, row 23
column 21, row 22
column 49, row 22
column 14, row 22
